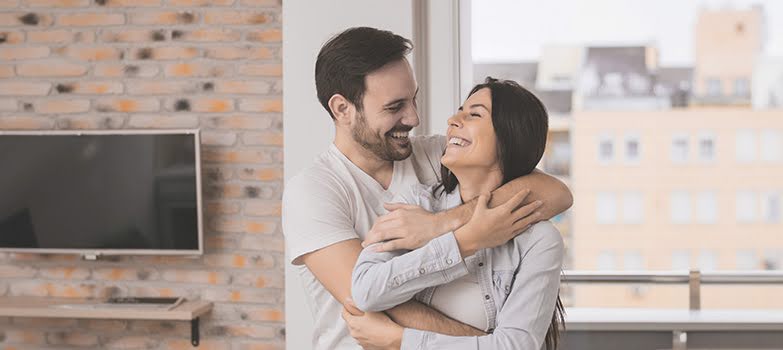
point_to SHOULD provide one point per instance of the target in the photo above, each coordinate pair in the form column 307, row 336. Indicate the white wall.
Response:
column 308, row 130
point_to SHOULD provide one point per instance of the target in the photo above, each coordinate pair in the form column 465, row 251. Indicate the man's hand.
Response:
column 489, row 228
column 406, row 226
column 372, row 330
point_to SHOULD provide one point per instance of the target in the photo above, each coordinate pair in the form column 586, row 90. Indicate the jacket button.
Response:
column 481, row 264
column 449, row 261
column 422, row 271
column 486, row 297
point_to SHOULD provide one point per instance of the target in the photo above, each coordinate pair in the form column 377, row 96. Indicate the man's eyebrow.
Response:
column 400, row 100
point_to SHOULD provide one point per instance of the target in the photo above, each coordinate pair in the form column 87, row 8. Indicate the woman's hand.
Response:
column 372, row 330
column 489, row 228
column 406, row 226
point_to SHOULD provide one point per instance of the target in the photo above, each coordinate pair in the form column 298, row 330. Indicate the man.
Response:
column 366, row 84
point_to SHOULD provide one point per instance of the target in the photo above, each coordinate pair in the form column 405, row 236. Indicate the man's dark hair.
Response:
column 347, row 58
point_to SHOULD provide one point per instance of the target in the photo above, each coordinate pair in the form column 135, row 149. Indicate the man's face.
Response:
column 389, row 112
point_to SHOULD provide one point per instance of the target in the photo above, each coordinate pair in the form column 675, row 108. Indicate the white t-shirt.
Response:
column 333, row 200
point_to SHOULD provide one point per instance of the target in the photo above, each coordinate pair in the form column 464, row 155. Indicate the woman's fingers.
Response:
column 483, row 200
column 525, row 210
column 516, row 201
column 391, row 245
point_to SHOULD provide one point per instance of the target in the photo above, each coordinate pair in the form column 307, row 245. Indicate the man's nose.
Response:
column 412, row 117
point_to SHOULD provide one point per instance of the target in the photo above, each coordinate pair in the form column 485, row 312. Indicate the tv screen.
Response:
column 100, row 192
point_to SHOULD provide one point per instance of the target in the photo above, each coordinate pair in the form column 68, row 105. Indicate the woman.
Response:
column 507, row 289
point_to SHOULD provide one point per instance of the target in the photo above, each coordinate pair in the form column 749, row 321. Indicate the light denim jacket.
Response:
column 519, row 280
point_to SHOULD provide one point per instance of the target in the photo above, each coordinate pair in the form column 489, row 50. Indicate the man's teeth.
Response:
column 458, row 141
column 399, row 134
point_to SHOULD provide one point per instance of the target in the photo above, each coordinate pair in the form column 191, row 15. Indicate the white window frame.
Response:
column 674, row 155
column 605, row 200
column 771, row 146
column 707, row 208
column 633, row 211
column 747, row 206
column 746, row 146
column 629, row 137
column 680, row 213
column 706, row 136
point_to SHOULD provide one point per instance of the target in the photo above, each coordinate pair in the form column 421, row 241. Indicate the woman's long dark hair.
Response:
column 521, row 122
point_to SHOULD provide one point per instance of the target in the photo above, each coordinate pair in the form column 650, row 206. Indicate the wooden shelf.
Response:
column 98, row 309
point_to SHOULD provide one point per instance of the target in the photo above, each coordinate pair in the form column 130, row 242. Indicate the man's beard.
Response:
column 382, row 146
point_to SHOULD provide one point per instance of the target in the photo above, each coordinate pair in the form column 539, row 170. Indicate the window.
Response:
column 706, row 146
column 679, row 151
column 771, row 207
column 713, row 87
column 632, row 148
column 606, row 208
column 771, row 146
column 633, row 208
column 708, row 260
column 680, row 207
column 772, row 259
column 741, row 87
column 746, row 146
column 746, row 206
column 605, row 149
column 681, row 260
column 606, row 261
column 633, row 260
column 707, row 208
column 746, row 260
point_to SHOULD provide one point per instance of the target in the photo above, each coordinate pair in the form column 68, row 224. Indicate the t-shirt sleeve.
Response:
column 316, row 214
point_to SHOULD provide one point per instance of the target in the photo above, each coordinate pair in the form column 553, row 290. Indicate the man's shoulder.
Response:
column 321, row 177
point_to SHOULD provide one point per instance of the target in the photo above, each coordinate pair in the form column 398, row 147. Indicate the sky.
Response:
column 515, row 30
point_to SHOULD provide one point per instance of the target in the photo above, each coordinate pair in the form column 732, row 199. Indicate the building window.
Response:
column 746, row 206
column 605, row 149
column 679, row 151
column 771, row 209
column 746, row 260
column 680, row 207
column 681, row 260
column 707, row 146
column 606, row 208
column 633, row 261
column 771, row 146
column 606, row 261
column 632, row 148
column 708, row 260
column 746, row 146
column 707, row 208
column 713, row 87
column 772, row 259
column 741, row 87
column 633, row 208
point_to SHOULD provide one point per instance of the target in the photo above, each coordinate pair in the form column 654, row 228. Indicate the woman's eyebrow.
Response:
column 479, row 105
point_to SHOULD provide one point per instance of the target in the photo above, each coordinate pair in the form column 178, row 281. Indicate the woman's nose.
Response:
column 456, row 120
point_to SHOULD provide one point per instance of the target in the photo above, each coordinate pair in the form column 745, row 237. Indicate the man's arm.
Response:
column 333, row 265
column 410, row 227
column 553, row 193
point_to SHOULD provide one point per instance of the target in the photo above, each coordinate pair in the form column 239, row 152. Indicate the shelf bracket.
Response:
column 194, row 335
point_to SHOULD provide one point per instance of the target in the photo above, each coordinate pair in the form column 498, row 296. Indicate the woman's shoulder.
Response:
column 543, row 233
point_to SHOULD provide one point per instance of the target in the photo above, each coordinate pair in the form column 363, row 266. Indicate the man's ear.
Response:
column 342, row 109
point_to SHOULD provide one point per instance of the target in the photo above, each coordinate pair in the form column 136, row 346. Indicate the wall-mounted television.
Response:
column 103, row 192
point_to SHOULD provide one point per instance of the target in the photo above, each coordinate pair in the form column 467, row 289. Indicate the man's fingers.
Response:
column 395, row 206
column 389, row 246
column 351, row 308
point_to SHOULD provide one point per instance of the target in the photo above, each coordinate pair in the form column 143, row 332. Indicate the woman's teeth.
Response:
column 458, row 141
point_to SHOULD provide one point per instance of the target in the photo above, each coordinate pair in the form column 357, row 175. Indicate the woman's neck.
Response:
column 475, row 181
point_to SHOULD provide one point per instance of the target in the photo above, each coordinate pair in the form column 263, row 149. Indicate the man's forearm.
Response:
column 413, row 314
column 554, row 194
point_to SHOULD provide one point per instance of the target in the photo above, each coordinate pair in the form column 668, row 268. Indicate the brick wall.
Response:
column 138, row 64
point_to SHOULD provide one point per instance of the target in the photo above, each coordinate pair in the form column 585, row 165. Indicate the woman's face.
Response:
column 471, row 139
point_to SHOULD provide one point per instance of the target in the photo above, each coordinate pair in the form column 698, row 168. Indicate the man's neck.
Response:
column 378, row 169
column 474, row 182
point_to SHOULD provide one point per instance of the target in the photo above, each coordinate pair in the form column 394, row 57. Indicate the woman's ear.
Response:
column 342, row 109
